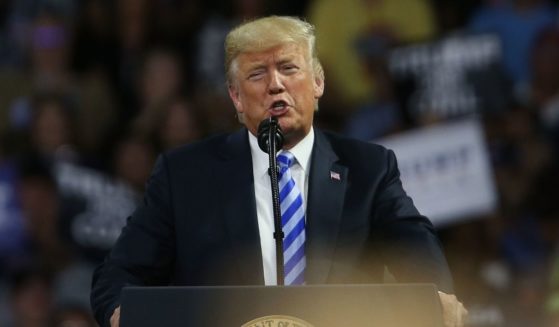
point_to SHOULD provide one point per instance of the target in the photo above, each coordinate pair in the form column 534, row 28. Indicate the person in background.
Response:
column 381, row 114
column 132, row 161
column 401, row 21
column 51, row 130
column 12, row 230
column 71, row 315
column 544, row 93
column 517, row 24
column 180, row 123
column 30, row 298
column 42, row 214
column 161, row 79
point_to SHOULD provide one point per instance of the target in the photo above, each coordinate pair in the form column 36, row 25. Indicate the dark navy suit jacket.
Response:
column 198, row 223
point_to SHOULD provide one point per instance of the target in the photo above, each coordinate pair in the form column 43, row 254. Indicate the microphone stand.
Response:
column 270, row 138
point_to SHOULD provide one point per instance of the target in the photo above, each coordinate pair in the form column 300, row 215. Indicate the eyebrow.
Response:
column 286, row 59
column 281, row 60
column 256, row 66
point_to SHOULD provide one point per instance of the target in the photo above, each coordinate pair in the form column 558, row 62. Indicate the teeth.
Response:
column 279, row 105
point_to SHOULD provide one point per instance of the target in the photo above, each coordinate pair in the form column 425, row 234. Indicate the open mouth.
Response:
column 279, row 106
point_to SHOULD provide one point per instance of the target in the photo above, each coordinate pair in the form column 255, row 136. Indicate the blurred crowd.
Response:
column 92, row 90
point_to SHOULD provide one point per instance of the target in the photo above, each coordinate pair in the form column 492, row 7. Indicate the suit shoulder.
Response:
column 203, row 150
column 346, row 146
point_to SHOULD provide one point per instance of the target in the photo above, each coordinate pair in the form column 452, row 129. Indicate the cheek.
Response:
column 244, row 99
column 251, row 102
column 306, row 95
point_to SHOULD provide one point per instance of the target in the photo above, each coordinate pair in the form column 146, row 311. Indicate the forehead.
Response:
column 281, row 53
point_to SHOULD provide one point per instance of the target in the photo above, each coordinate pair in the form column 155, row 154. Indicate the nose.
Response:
column 275, row 85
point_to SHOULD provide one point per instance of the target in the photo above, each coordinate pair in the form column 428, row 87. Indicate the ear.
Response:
column 318, row 87
column 235, row 97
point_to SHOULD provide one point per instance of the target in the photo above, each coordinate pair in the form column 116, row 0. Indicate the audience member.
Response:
column 133, row 34
column 381, row 113
column 30, row 297
column 72, row 316
column 402, row 20
column 133, row 160
column 180, row 123
column 545, row 83
column 161, row 79
column 42, row 216
column 12, row 233
column 51, row 129
column 49, row 72
column 517, row 23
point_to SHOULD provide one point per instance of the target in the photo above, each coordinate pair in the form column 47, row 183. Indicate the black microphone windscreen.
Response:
column 264, row 129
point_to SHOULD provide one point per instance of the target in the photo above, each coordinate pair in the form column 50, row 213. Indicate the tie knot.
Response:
column 286, row 159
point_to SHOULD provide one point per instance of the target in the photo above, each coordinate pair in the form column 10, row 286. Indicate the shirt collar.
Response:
column 301, row 151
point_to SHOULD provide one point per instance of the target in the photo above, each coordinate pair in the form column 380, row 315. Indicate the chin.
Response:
column 286, row 128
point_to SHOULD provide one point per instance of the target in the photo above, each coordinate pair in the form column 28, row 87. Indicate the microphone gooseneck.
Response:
column 270, row 140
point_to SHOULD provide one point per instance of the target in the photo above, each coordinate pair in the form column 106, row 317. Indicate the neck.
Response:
column 293, row 138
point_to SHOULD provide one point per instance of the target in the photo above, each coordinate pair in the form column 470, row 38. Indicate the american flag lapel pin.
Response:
column 334, row 176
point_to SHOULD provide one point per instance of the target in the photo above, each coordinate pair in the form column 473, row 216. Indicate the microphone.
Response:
column 269, row 126
column 270, row 139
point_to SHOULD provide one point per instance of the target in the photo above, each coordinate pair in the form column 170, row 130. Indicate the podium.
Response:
column 385, row 305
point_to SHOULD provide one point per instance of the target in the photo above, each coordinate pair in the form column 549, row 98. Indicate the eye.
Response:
column 255, row 75
column 289, row 68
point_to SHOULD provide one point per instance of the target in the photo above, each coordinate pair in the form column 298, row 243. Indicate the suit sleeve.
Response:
column 407, row 240
column 144, row 253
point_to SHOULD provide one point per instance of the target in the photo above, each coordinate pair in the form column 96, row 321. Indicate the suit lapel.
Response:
column 327, row 186
column 324, row 208
column 240, row 207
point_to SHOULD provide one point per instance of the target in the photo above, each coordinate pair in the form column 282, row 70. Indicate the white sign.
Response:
column 108, row 204
column 446, row 170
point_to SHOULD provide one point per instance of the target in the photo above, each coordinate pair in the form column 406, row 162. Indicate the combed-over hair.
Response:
column 264, row 33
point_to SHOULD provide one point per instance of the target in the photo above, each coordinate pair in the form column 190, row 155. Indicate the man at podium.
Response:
column 207, row 216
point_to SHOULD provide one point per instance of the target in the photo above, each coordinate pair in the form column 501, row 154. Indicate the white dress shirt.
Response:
column 263, row 194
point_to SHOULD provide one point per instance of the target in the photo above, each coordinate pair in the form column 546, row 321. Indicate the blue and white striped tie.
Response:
column 293, row 223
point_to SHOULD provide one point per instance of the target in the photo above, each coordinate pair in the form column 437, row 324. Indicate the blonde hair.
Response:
column 264, row 33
